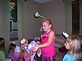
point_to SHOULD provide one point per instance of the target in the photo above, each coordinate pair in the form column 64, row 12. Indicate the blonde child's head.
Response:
column 73, row 45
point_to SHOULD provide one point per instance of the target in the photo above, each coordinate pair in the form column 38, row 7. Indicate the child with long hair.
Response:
column 47, row 41
column 73, row 45
column 24, row 55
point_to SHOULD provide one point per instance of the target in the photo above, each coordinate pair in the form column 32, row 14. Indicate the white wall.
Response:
column 1, row 18
column 4, row 22
column 55, row 10
column 30, row 25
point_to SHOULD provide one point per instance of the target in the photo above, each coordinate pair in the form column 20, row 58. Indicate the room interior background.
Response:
column 61, row 11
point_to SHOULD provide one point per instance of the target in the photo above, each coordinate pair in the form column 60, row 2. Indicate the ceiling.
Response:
column 41, row 1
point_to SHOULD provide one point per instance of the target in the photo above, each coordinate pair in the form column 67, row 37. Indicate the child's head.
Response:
column 47, row 24
column 72, row 43
column 24, row 43
column 38, row 42
column 2, row 44
column 12, row 47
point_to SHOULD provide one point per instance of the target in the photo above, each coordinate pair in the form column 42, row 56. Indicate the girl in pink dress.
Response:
column 47, row 40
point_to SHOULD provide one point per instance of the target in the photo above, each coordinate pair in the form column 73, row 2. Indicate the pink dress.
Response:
column 48, row 51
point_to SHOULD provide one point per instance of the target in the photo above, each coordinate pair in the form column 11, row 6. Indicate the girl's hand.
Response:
column 35, row 48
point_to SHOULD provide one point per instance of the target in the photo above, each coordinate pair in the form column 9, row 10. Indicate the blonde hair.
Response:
column 75, row 41
column 75, row 45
